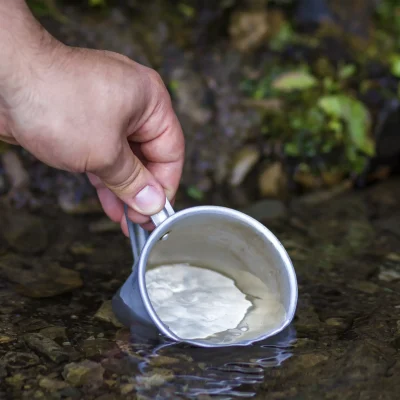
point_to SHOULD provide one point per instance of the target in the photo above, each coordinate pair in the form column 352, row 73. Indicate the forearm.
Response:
column 22, row 44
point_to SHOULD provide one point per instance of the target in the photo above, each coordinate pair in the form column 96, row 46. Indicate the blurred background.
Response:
column 277, row 98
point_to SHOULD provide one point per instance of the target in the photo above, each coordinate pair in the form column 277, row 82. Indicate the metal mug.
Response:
column 220, row 239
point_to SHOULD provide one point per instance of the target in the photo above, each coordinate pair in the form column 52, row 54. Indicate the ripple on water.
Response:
column 223, row 373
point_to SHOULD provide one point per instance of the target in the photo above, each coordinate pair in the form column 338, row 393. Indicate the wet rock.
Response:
column 16, row 381
column 249, row 29
column 389, row 275
column 3, row 371
column 365, row 287
column 127, row 388
column 80, row 249
column 46, row 346
column 5, row 339
column 93, row 347
column 106, row 314
column 32, row 324
column 265, row 210
column 160, row 361
column 37, row 278
column 54, row 332
column 309, row 360
column 52, row 384
column 272, row 180
column 190, row 94
column 18, row 360
column 69, row 205
column 244, row 161
column 83, row 373
column 306, row 319
column 104, row 225
column 24, row 232
column 337, row 324
column 155, row 378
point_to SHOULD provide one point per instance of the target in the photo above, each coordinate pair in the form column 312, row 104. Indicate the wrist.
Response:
column 25, row 47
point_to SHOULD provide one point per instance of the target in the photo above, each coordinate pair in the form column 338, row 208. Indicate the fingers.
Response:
column 127, row 178
column 160, row 140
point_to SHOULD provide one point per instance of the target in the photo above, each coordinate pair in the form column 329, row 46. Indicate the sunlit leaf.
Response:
column 294, row 80
column 355, row 115
column 195, row 193
column 347, row 71
column 95, row 3
column 395, row 65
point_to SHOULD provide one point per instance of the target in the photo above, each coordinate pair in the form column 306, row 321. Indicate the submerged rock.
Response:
column 272, row 180
column 24, row 232
column 244, row 161
column 37, row 278
column 17, row 360
column 106, row 314
column 83, row 373
column 46, row 346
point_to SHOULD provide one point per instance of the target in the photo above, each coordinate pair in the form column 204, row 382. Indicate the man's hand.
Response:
column 90, row 111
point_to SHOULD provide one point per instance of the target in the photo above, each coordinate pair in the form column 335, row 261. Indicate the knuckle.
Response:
column 128, row 181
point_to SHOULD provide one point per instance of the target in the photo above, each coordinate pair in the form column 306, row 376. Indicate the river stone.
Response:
column 54, row 332
column 83, row 373
column 24, row 232
column 52, row 384
column 46, row 346
column 37, row 278
column 106, row 314
column 266, row 210
column 18, row 360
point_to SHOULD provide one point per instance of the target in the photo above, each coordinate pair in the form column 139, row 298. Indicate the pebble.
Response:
column 83, row 373
column 52, row 384
column 267, row 209
column 244, row 161
column 365, row 286
column 388, row 275
column 5, row 339
column 24, row 232
column 19, row 360
column 54, row 332
column 38, row 278
column 46, row 346
column 106, row 314
column 129, row 387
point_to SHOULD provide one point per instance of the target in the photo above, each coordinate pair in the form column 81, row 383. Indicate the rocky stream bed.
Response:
column 60, row 340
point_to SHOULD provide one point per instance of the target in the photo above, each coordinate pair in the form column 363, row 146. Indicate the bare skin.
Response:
column 89, row 111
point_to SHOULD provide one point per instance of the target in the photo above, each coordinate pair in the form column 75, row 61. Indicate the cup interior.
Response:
column 239, row 247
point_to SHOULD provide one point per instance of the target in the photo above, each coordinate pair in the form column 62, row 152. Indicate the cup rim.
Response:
column 164, row 227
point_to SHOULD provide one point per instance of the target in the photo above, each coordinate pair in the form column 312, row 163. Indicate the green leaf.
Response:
column 394, row 62
column 347, row 71
column 195, row 193
column 95, row 3
column 294, row 80
column 355, row 115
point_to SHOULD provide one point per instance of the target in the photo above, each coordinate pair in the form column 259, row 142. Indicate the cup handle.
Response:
column 165, row 213
column 138, row 236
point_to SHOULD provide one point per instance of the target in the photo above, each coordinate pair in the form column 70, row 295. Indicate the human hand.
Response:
column 97, row 112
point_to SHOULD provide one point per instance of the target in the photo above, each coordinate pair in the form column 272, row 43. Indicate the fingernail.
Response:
column 149, row 201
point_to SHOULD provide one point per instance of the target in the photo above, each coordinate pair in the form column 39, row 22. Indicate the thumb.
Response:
column 130, row 181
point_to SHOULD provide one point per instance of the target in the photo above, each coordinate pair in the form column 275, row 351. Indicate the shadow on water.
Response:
column 223, row 373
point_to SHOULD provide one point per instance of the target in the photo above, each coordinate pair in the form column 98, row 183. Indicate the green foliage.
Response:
column 319, row 118
column 97, row 3
column 195, row 193
column 356, row 117
column 294, row 80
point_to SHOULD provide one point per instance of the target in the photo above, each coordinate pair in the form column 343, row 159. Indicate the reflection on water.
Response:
column 223, row 373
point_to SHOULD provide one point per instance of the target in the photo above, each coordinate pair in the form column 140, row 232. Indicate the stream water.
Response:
column 59, row 339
